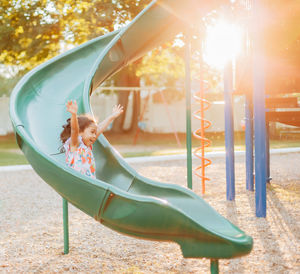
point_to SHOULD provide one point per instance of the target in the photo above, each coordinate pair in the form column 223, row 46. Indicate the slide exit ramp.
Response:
column 119, row 198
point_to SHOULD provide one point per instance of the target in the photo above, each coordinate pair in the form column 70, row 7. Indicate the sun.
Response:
column 223, row 42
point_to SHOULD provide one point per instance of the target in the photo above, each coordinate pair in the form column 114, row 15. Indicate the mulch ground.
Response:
column 31, row 234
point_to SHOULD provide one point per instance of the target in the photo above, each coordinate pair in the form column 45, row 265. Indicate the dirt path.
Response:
column 31, row 237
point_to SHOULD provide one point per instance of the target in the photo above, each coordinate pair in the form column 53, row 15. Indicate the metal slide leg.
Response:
column 229, row 134
column 66, row 226
column 188, row 109
column 214, row 266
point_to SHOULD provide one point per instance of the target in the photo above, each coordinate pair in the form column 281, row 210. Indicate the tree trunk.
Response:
column 127, row 78
column 121, row 81
column 135, row 82
column 135, row 112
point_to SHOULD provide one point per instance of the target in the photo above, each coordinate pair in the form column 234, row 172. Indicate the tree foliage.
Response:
column 30, row 33
column 7, row 84
column 162, row 65
column 33, row 31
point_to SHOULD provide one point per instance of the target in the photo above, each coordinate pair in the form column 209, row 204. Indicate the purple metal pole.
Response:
column 259, row 112
column 229, row 133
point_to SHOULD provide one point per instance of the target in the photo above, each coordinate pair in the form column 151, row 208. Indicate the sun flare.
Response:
column 223, row 43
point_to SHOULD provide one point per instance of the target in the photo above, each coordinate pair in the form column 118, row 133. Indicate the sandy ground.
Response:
column 31, row 235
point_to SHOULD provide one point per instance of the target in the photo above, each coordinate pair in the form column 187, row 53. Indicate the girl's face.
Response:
column 89, row 135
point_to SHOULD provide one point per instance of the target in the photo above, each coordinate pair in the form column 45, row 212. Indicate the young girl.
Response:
column 78, row 136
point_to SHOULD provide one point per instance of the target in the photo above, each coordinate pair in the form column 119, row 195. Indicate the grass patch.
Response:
column 8, row 142
column 168, row 140
column 159, row 152
column 10, row 158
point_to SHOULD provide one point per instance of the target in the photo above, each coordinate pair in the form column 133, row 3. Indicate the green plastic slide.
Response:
column 119, row 198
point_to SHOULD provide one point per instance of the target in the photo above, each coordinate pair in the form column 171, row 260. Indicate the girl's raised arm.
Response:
column 72, row 108
column 117, row 111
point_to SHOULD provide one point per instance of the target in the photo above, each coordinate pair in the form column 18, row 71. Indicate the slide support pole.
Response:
column 188, row 108
column 229, row 132
column 214, row 266
column 66, row 226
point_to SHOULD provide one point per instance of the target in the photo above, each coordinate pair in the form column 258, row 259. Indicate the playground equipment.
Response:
column 261, row 79
column 119, row 198
column 199, row 134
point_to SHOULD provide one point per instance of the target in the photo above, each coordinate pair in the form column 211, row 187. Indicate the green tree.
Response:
column 32, row 31
column 29, row 33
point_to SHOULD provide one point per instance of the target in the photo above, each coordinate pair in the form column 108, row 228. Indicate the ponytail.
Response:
column 66, row 133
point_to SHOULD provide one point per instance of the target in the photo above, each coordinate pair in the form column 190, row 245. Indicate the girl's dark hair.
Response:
column 84, row 121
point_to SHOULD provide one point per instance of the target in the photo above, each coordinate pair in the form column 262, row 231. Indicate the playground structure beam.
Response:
column 229, row 132
column 188, row 108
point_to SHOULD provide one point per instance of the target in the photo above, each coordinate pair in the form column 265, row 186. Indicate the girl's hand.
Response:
column 72, row 107
column 117, row 110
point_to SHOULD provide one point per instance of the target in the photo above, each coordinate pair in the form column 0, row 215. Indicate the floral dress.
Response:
column 81, row 159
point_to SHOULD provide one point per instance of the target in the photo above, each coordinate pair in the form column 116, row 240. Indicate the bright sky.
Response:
column 223, row 43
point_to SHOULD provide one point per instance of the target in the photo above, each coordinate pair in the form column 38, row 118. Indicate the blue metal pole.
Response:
column 249, row 142
column 229, row 132
column 188, row 109
column 259, row 112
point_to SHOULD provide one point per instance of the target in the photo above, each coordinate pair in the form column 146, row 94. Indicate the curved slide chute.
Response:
column 119, row 198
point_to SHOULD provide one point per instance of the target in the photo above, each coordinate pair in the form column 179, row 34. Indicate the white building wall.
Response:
column 5, row 123
column 157, row 119
column 102, row 105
